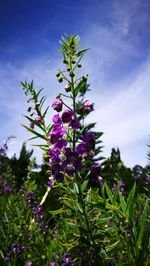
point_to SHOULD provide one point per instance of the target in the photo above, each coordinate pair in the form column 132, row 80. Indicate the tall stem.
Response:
column 81, row 200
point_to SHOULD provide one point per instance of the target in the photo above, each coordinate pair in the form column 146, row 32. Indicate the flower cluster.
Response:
column 121, row 187
column 15, row 249
column 66, row 260
column 60, row 155
column 66, row 159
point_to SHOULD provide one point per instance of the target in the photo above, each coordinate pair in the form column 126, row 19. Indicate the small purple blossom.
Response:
column 57, row 105
column 16, row 248
column 67, row 116
column 121, row 186
column 50, row 183
column 57, row 133
column 147, row 179
column 7, row 257
column 87, row 106
column 52, row 263
column 5, row 147
column 114, row 187
column 61, row 144
column 66, row 259
column 89, row 139
column 29, row 263
column 75, row 124
column 56, row 119
column 37, row 209
column 31, row 125
column 95, row 170
column 7, row 187
column 129, row 233
column 37, row 118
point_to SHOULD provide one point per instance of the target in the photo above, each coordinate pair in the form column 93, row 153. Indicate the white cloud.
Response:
column 122, row 103
column 124, row 115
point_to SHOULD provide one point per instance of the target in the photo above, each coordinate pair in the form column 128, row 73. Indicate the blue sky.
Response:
column 118, row 62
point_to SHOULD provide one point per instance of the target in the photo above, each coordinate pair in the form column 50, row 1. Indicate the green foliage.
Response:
column 97, row 215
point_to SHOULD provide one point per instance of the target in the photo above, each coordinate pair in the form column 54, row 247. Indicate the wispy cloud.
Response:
column 119, row 77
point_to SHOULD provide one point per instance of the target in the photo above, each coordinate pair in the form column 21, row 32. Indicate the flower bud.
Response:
column 72, row 74
column 58, row 74
column 60, row 79
column 67, row 87
column 65, row 61
column 37, row 118
column 57, row 104
column 87, row 106
column 29, row 109
column 85, row 78
column 68, row 69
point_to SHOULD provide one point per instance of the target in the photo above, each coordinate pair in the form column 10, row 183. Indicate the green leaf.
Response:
column 82, row 52
column 142, row 223
column 34, row 132
column 109, row 193
column 84, row 185
column 45, row 112
column 130, row 208
column 112, row 247
column 39, row 92
column 81, row 85
column 55, row 212
column 122, row 202
column 34, row 122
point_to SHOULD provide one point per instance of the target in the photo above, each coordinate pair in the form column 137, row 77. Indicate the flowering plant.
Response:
column 91, row 224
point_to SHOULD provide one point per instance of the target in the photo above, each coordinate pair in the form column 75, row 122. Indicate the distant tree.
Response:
column 115, row 170
column 20, row 166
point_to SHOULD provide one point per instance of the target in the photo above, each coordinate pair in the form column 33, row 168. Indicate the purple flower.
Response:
column 121, row 187
column 50, row 183
column 82, row 148
column 95, row 170
column 29, row 263
column 100, row 181
column 129, row 233
column 16, row 248
column 7, row 187
column 37, row 209
column 57, row 255
column 73, row 158
column 147, row 179
column 31, row 125
column 75, row 124
column 52, row 263
column 44, row 228
column 57, row 132
column 61, row 144
column 87, row 106
column 56, row 119
column 66, row 259
column 59, row 177
column 67, row 116
column 7, row 257
column 89, row 139
column 5, row 146
column 22, row 189
column 114, row 187
column 30, row 195
column 54, row 234
column 37, row 118
column 57, row 105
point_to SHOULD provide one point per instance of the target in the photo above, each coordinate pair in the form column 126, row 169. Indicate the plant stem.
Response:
column 81, row 200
